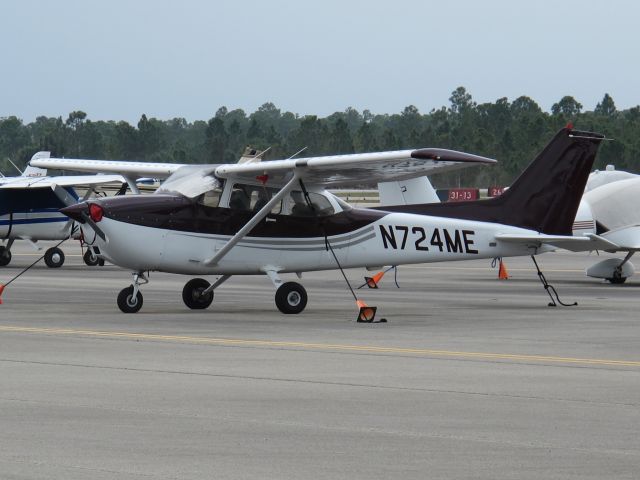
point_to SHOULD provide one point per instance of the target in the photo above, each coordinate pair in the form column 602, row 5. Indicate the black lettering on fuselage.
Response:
column 422, row 238
column 405, row 230
column 468, row 241
column 388, row 236
column 460, row 241
column 436, row 241
column 453, row 244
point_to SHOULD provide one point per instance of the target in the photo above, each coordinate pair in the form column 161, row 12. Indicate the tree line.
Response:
column 512, row 132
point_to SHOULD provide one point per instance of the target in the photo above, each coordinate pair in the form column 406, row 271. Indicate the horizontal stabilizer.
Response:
column 575, row 244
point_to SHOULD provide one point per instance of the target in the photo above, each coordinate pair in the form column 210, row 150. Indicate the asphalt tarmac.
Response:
column 471, row 377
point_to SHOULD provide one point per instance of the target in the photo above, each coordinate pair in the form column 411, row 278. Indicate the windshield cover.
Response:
column 191, row 181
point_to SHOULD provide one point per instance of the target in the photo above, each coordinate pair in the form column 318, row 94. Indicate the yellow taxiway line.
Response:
column 324, row 346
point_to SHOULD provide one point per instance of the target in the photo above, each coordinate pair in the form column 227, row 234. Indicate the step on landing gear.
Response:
column 130, row 298
column 91, row 259
column 196, row 294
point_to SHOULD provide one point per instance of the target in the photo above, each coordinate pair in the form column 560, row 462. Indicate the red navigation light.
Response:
column 95, row 212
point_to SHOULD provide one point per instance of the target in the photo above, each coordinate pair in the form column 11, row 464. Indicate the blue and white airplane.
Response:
column 29, row 210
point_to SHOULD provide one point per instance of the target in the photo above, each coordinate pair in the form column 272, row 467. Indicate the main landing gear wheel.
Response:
column 192, row 294
column 127, row 302
column 5, row 256
column 91, row 258
column 617, row 279
column 54, row 257
column 291, row 297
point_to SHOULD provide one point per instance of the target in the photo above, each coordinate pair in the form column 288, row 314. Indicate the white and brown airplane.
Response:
column 273, row 218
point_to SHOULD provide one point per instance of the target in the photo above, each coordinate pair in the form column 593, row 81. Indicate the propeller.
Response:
column 66, row 198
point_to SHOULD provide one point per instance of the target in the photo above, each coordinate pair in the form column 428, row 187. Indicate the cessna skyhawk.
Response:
column 276, row 217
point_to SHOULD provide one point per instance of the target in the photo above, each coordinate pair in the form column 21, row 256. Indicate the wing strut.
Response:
column 264, row 211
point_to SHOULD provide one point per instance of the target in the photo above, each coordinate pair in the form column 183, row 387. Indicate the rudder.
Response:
column 544, row 198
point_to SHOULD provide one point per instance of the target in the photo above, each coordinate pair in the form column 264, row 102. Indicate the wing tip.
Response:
column 444, row 155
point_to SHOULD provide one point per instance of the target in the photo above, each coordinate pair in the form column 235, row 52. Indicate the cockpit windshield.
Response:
column 191, row 181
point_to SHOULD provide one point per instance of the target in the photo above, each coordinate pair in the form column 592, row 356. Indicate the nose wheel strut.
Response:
column 130, row 298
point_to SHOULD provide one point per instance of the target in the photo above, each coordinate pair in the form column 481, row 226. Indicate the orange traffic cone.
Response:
column 366, row 313
column 502, row 271
column 1, row 290
column 372, row 282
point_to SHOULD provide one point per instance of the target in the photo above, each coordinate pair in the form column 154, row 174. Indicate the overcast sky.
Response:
column 118, row 59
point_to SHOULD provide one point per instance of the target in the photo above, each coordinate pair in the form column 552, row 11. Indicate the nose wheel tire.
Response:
column 5, row 256
column 91, row 258
column 291, row 298
column 127, row 302
column 54, row 257
column 192, row 294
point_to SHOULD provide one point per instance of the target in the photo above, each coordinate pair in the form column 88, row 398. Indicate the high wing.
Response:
column 66, row 181
column 326, row 170
column 360, row 167
column 129, row 169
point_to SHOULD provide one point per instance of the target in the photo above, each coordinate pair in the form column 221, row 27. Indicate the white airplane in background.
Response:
column 609, row 208
column 273, row 218
column 29, row 210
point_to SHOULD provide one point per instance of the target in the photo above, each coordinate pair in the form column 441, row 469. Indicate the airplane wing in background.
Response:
column 355, row 168
column 129, row 169
column 66, row 181
column 625, row 239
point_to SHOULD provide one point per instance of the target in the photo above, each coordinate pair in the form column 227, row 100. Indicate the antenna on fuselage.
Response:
column 252, row 155
column 14, row 165
column 297, row 153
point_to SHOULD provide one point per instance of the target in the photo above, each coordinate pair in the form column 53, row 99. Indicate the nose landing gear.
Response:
column 130, row 298
column 91, row 259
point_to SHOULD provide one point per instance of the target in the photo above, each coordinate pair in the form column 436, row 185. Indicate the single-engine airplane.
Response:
column 29, row 210
column 609, row 208
column 276, row 217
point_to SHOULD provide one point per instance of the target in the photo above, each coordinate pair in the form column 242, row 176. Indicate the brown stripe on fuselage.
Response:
column 175, row 212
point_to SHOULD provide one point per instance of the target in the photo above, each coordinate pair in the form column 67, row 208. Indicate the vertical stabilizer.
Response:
column 544, row 198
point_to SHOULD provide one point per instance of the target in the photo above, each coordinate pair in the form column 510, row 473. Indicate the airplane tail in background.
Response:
column 544, row 198
column 35, row 171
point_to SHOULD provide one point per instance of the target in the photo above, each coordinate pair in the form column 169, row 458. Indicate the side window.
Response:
column 211, row 198
column 298, row 206
column 239, row 199
column 252, row 198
